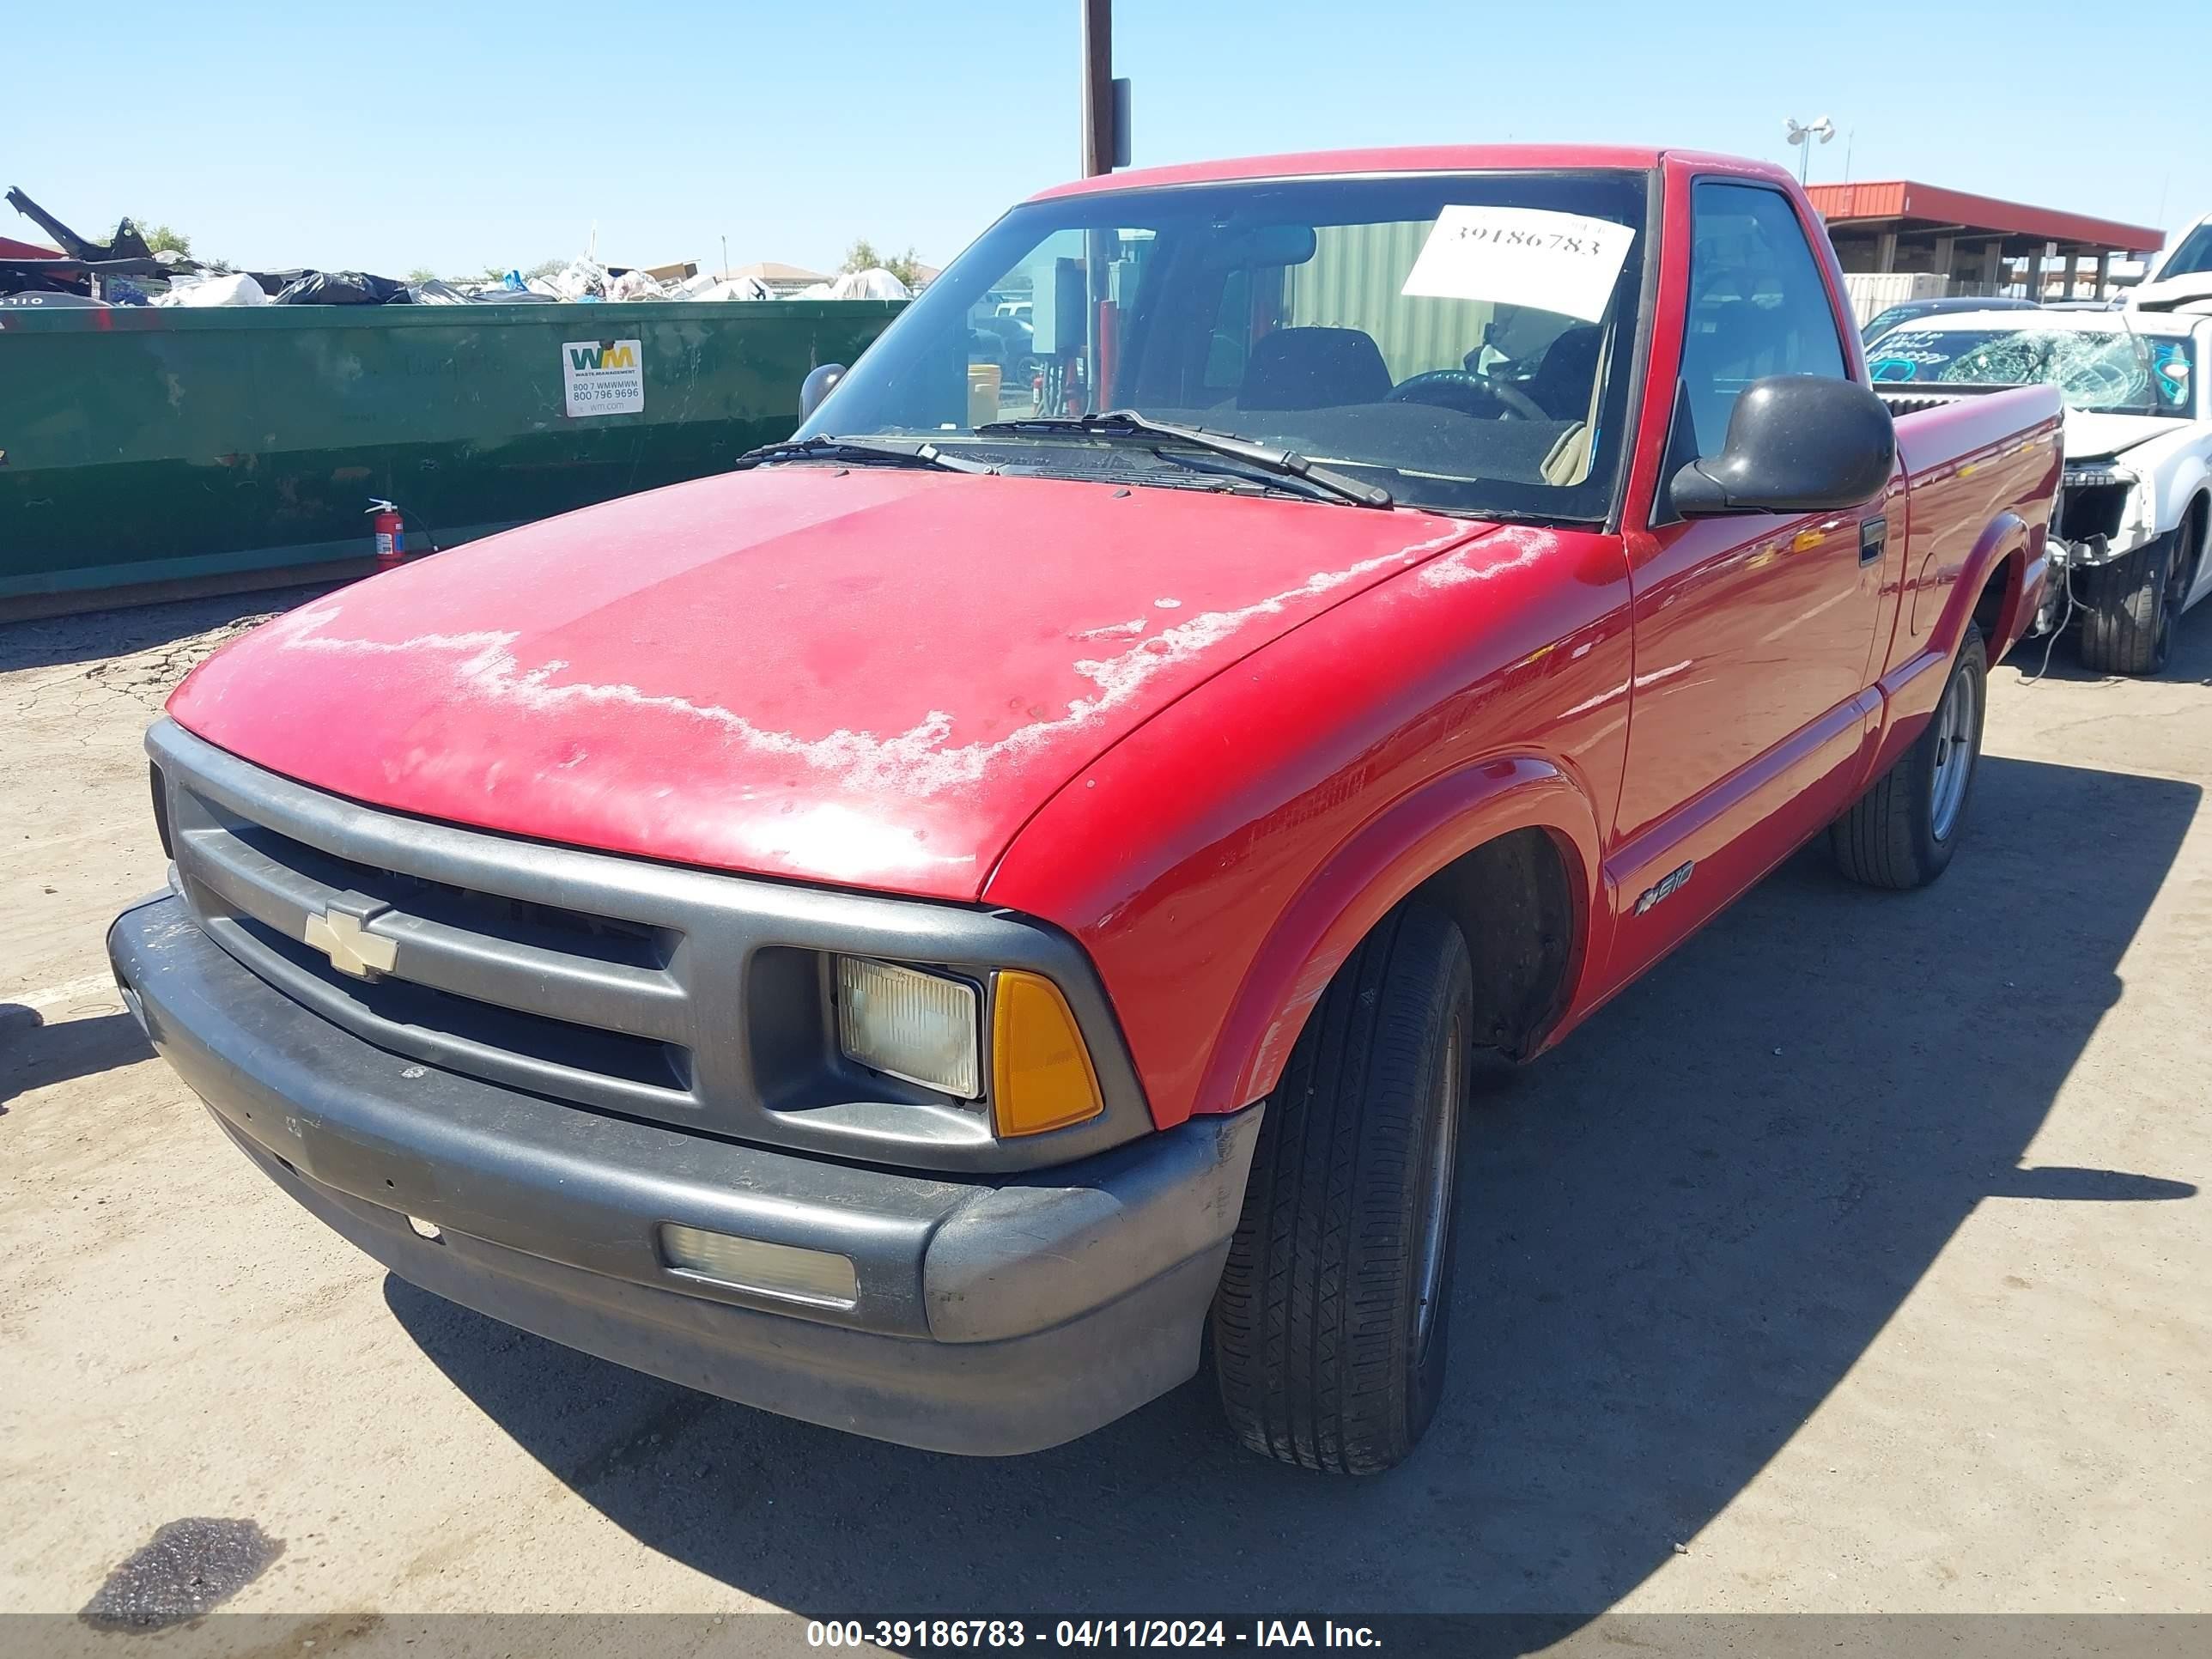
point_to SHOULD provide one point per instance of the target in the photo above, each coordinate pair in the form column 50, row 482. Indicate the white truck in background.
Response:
column 2180, row 275
column 2128, row 537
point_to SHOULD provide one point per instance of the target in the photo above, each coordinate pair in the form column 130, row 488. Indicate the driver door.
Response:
column 1749, row 704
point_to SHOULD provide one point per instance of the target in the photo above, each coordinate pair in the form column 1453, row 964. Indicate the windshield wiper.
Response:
column 1126, row 423
column 823, row 449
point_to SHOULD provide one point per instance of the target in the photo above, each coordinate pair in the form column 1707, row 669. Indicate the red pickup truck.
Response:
column 913, row 932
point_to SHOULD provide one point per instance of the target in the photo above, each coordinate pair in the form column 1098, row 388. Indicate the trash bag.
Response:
column 635, row 285
column 745, row 287
column 236, row 289
column 436, row 293
column 581, row 279
column 342, row 288
column 874, row 284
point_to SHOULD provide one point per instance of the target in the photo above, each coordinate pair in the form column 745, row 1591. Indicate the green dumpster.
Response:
column 146, row 451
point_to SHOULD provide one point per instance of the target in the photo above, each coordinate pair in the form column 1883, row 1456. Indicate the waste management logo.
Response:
column 603, row 377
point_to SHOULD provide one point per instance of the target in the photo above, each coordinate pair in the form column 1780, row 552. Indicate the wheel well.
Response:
column 2200, row 508
column 1996, row 598
column 1515, row 903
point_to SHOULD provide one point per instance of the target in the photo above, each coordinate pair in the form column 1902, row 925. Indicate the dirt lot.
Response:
column 1856, row 1260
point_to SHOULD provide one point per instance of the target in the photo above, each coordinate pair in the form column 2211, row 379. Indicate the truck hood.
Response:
column 868, row 676
column 2090, row 435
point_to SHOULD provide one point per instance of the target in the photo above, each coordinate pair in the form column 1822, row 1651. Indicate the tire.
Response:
column 2132, row 605
column 1902, row 832
column 1320, row 1348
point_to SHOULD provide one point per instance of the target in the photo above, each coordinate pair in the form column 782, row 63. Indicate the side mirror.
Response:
column 1796, row 443
column 816, row 387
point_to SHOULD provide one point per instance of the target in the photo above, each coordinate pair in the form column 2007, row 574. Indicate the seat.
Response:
column 1729, row 344
column 1313, row 369
column 1561, row 385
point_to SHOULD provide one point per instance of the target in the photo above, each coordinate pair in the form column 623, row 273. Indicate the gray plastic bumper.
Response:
column 993, row 1315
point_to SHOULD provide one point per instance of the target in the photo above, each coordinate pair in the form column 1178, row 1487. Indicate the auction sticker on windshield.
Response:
column 1563, row 263
column 603, row 377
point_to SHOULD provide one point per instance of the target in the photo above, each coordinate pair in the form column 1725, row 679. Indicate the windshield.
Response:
column 2107, row 371
column 1890, row 319
column 1462, row 341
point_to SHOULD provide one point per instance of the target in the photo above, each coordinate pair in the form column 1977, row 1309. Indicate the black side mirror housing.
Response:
column 1796, row 443
column 816, row 386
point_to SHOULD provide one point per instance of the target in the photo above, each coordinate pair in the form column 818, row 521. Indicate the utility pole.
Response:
column 1099, row 146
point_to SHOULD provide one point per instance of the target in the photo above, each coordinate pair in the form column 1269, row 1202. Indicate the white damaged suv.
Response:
column 2128, row 534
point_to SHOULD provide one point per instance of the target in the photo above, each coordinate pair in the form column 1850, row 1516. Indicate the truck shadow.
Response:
column 35, row 1055
column 1679, row 1233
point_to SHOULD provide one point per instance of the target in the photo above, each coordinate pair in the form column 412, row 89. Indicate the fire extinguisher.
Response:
column 390, row 534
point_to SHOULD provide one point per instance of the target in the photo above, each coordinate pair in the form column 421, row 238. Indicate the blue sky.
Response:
column 395, row 134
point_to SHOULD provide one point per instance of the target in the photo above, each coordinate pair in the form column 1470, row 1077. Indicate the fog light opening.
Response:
column 815, row 1278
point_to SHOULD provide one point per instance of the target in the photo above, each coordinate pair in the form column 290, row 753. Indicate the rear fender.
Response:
column 2004, row 535
column 1382, row 862
column 1911, row 689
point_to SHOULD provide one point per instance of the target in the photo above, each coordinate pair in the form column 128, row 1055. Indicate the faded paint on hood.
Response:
column 864, row 677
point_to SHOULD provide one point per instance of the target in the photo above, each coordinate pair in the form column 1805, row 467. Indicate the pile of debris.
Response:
column 124, row 270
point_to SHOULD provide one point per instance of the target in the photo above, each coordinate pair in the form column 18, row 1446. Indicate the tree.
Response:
column 422, row 274
column 542, row 268
column 862, row 256
column 159, row 238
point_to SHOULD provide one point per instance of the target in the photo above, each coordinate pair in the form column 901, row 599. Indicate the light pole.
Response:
column 1802, row 137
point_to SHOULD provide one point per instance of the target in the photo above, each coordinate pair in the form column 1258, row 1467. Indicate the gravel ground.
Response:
column 1858, row 1260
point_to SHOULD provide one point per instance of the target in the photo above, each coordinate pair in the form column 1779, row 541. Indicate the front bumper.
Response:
column 993, row 1315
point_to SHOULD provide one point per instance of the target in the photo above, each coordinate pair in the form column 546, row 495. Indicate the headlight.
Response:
column 920, row 1027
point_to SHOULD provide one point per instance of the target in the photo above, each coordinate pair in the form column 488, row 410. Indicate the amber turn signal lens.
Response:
column 1041, row 1072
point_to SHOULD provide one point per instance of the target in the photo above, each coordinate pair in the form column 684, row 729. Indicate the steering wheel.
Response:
column 1443, row 388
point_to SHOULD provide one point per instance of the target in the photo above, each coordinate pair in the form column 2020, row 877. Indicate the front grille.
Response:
column 484, row 1028
column 516, row 922
column 685, row 996
column 561, row 999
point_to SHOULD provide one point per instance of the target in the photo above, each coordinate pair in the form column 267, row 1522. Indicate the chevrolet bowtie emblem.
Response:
column 351, row 948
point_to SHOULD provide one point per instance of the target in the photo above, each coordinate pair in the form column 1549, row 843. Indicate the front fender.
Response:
column 1383, row 861
column 1218, row 860
column 2180, row 485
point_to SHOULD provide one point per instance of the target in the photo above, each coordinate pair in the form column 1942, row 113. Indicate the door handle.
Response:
column 1874, row 536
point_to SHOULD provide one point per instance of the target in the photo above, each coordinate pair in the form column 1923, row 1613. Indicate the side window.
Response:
column 1758, row 305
